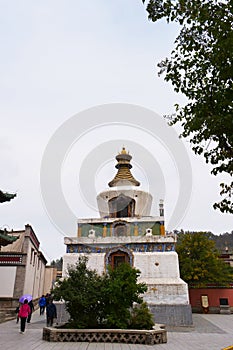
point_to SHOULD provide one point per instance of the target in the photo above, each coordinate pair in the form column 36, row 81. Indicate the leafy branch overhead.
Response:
column 200, row 67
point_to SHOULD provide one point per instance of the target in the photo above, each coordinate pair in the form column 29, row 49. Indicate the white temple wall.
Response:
column 152, row 265
column 143, row 204
column 95, row 262
column 157, row 264
column 167, row 293
column 160, row 271
column 7, row 277
column 143, row 200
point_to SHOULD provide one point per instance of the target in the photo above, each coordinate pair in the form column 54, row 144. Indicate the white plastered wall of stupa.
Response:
column 126, row 232
column 143, row 200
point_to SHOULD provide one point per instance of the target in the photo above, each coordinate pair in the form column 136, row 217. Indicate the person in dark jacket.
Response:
column 51, row 313
column 47, row 298
column 32, row 309
column 17, row 313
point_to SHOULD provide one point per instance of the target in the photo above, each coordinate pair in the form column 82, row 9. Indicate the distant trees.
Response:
column 105, row 301
column 200, row 67
column 224, row 242
column 57, row 263
column 199, row 260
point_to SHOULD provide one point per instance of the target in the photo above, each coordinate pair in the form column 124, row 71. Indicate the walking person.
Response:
column 47, row 298
column 32, row 309
column 51, row 313
column 17, row 313
column 42, row 304
column 24, row 311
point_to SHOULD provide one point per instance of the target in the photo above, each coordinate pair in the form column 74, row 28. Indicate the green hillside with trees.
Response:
column 222, row 241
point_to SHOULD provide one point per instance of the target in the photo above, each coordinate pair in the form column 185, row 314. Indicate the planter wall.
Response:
column 147, row 337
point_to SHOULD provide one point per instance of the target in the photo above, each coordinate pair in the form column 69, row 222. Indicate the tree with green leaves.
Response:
column 199, row 260
column 200, row 67
column 140, row 317
column 103, row 301
column 82, row 294
column 121, row 291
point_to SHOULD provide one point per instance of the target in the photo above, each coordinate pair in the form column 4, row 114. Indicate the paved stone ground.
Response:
column 214, row 332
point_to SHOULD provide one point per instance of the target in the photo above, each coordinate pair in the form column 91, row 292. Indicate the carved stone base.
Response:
column 147, row 337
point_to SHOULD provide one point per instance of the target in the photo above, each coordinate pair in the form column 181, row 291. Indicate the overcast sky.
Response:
column 59, row 58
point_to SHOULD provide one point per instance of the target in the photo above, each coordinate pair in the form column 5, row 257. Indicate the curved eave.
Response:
column 5, row 239
column 6, row 197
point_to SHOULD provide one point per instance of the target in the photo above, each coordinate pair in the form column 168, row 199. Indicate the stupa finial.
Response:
column 123, row 176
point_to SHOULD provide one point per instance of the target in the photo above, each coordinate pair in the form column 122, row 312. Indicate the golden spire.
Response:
column 123, row 176
column 123, row 151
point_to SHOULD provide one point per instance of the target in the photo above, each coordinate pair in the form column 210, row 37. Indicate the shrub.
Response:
column 141, row 317
column 103, row 301
column 120, row 292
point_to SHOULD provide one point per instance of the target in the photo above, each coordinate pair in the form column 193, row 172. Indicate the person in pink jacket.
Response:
column 24, row 311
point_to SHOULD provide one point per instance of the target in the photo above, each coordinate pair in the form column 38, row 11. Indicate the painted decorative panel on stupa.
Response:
column 117, row 228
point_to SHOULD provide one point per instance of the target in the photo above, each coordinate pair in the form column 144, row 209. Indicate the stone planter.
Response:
column 128, row 336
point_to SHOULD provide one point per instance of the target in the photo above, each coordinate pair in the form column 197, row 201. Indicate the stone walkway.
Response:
column 214, row 332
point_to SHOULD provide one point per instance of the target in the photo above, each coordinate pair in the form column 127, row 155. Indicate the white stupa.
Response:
column 125, row 232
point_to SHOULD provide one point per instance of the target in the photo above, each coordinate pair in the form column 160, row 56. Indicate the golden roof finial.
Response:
column 123, row 176
column 123, row 151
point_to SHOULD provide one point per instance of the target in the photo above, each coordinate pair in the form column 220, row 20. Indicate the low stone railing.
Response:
column 129, row 336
